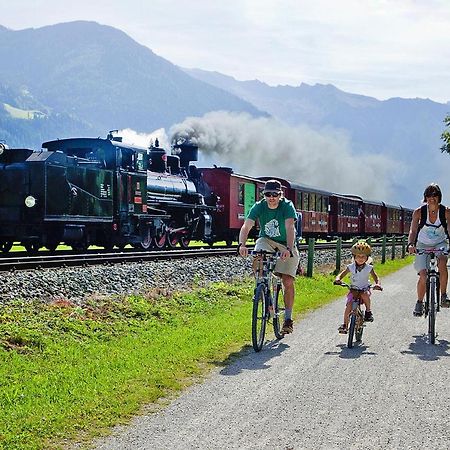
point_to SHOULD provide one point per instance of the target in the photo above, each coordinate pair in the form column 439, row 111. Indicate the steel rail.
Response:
column 21, row 261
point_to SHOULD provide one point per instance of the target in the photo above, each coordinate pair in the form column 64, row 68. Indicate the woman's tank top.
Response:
column 431, row 233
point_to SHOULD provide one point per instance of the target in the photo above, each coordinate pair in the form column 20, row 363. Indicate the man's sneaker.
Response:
column 288, row 326
column 418, row 310
column 368, row 316
column 342, row 329
column 445, row 301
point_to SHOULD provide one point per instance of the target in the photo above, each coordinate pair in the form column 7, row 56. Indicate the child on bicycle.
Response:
column 360, row 270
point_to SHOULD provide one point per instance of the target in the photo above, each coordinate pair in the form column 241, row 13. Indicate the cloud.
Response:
column 267, row 147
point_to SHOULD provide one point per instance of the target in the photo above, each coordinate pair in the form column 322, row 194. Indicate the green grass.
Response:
column 68, row 372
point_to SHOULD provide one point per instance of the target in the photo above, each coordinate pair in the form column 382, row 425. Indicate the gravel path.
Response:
column 311, row 392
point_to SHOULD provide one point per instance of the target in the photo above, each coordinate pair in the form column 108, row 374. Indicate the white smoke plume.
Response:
column 145, row 139
column 267, row 147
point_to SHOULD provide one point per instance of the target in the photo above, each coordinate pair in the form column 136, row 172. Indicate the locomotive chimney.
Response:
column 187, row 152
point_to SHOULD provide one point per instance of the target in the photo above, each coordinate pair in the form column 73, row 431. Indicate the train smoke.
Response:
column 265, row 146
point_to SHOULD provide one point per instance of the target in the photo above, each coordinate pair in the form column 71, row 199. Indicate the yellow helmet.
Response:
column 361, row 248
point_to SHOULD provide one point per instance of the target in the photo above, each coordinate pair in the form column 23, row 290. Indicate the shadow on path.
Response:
column 358, row 350
column 425, row 351
column 248, row 359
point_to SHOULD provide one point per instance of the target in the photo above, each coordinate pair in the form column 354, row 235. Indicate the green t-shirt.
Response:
column 272, row 221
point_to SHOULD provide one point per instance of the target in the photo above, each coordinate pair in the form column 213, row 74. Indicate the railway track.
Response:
column 20, row 260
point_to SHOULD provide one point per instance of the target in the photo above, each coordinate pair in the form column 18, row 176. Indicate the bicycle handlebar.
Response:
column 436, row 251
column 354, row 288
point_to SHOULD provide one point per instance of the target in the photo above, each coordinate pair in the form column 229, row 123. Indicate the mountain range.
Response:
column 83, row 79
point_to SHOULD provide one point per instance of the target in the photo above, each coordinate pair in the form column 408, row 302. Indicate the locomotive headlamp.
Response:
column 30, row 201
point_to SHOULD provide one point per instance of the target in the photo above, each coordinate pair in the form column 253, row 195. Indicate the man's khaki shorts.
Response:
column 289, row 266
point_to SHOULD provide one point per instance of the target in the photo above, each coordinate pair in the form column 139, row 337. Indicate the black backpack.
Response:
column 423, row 218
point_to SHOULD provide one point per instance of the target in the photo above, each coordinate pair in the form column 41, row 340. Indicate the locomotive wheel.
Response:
column 5, row 246
column 184, row 242
column 159, row 241
column 146, row 240
column 51, row 246
column 32, row 247
column 108, row 246
column 172, row 239
column 173, row 235
column 79, row 247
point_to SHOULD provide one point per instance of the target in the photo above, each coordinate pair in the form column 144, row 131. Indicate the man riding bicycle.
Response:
column 276, row 216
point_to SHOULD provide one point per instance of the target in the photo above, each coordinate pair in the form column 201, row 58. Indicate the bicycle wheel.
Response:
column 259, row 317
column 359, row 327
column 278, row 306
column 432, row 312
column 351, row 330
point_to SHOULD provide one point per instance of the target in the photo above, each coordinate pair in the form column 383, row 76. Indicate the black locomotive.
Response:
column 93, row 191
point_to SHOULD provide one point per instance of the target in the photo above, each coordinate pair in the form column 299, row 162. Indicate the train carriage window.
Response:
column 305, row 201
column 241, row 190
column 298, row 200
column 312, row 202
column 128, row 159
column 261, row 192
column 318, row 203
column 325, row 204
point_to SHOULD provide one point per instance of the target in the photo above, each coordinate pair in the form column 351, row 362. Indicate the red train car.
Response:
column 234, row 195
column 344, row 217
column 372, row 213
column 312, row 203
column 392, row 220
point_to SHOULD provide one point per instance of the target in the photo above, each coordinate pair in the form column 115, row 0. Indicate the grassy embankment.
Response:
column 68, row 372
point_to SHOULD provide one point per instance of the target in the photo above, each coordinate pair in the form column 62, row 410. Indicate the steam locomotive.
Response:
column 94, row 191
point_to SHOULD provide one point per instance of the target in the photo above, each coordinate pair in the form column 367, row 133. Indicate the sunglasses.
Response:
column 271, row 194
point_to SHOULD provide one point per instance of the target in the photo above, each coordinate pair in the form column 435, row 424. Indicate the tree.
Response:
column 445, row 136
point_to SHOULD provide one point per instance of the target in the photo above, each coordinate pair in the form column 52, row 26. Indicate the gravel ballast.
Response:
column 79, row 283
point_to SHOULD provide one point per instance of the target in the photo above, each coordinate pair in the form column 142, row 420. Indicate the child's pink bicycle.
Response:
column 356, row 318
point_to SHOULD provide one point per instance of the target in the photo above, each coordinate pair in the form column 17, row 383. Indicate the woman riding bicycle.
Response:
column 360, row 270
column 429, row 231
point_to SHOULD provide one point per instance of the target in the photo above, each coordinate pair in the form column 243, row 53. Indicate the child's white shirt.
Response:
column 359, row 279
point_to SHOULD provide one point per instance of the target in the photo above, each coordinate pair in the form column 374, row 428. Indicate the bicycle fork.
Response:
column 268, row 302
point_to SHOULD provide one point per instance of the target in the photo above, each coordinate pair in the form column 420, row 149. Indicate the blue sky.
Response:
column 381, row 48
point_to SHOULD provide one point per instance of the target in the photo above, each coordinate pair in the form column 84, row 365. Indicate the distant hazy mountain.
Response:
column 92, row 78
column 406, row 130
